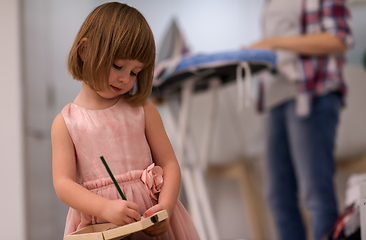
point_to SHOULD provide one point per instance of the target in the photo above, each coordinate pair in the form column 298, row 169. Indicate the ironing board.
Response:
column 170, row 75
column 180, row 78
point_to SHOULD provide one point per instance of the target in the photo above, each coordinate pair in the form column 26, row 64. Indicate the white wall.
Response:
column 207, row 25
column 12, row 224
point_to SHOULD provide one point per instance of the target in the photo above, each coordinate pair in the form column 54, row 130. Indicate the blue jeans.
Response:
column 300, row 159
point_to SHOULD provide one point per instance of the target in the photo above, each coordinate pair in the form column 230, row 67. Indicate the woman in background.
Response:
column 303, row 98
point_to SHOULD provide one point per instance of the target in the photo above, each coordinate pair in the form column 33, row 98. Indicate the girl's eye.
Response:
column 116, row 67
column 133, row 74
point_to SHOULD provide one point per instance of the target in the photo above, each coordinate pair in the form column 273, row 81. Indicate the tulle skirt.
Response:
column 139, row 186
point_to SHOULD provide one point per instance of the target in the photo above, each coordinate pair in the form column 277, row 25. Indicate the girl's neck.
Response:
column 90, row 99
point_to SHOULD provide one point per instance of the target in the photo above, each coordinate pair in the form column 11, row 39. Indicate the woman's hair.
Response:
column 113, row 31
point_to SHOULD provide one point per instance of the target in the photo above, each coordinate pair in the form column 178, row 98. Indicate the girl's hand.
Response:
column 121, row 212
column 159, row 228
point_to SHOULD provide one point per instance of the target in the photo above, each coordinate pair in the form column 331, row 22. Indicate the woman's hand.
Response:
column 158, row 228
column 263, row 44
column 121, row 212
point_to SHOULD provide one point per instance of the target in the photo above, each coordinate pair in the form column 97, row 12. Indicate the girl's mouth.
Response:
column 115, row 88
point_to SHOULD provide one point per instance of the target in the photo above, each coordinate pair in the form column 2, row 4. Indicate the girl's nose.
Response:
column 123, row 78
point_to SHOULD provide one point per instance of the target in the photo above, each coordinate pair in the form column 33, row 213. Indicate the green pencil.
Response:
column 113, row 179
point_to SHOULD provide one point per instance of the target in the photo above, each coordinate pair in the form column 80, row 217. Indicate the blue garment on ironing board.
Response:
column 246, row 55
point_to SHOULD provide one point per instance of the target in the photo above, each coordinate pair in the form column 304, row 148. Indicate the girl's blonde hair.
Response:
column 114, row 31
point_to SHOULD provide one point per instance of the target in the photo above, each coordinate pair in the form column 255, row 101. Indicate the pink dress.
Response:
column 118, row 134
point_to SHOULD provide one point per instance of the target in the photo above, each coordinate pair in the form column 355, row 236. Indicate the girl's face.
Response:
column 122, row 77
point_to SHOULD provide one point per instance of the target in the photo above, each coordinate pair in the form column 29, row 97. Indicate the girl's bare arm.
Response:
column 163, row 155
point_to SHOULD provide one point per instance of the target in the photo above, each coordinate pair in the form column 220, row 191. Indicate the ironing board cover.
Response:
column 170, row 74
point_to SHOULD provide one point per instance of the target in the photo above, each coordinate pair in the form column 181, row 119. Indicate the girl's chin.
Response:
column 109, row 96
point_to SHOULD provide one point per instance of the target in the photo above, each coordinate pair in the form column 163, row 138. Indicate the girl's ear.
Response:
column 82, row 48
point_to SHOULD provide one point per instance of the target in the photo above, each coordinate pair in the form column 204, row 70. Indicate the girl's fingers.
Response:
column 134, row 215
column 132, row 212
column 157, row 229
column 128, row 220
column 132, row 205
column 152, row 210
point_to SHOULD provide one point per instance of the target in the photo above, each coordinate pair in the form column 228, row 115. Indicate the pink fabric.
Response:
column 118, row 134
column 153, row 179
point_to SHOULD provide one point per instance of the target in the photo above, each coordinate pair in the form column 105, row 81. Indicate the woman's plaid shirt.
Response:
column 323, row 74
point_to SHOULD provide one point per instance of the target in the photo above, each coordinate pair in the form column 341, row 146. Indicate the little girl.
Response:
column 114, row 56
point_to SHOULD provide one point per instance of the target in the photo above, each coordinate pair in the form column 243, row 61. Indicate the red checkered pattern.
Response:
column 321, row 72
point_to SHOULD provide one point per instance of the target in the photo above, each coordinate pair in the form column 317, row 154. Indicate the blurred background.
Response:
column 35, row 39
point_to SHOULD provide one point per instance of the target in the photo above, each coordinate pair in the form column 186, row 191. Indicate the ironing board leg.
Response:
column 210, row 122
column 183, row 119
column 171, row 122
column 245, row 174
column 192, row 202
column 200, row 170
column 193, row 167
column 186, row 174
column 205, row 204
